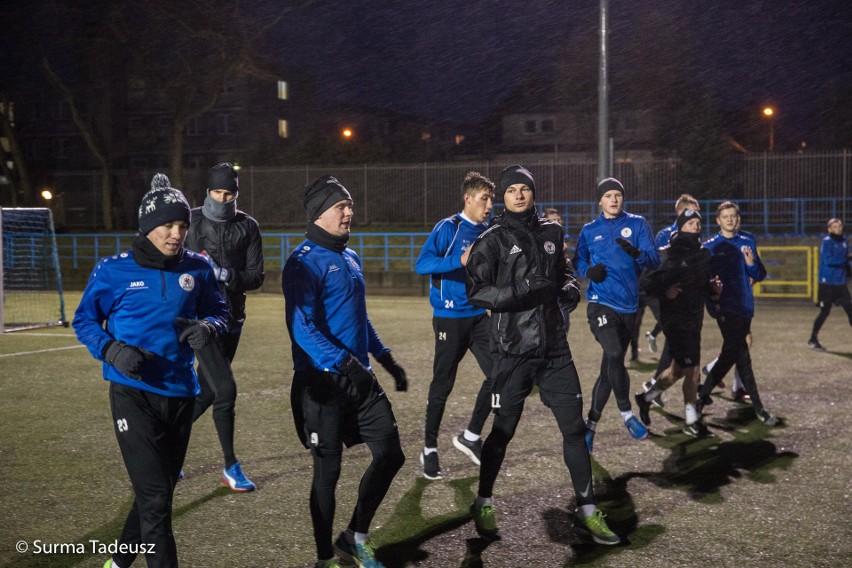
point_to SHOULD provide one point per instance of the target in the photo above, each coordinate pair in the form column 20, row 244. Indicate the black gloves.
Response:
column 197, row 333
column 359, row 377
column 535, row 283
column 596, row 273
column 628, row 247
column 126, row 358
column 570, row 296
column 387, row 361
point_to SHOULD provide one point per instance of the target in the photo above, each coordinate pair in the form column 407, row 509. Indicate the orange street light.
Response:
column 347, row 133
column 769, row 114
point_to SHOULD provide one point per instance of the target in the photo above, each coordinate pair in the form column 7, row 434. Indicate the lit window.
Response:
column 283, row 129
column 282, row 91
column 459, row 139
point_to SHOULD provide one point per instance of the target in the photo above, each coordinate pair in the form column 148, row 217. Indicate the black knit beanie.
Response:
column 685, row 216
column 609, row 184
column 224, row 176
column 324, row 192
column 515, row 174
column 162, row 204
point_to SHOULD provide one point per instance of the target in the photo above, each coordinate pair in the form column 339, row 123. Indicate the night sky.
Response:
column 457, row 59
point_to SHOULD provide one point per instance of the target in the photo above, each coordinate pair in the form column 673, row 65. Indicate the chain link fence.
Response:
column 417, row 195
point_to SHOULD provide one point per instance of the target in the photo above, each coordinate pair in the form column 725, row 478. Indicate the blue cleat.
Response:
column 636, row 429
column 362, row 555
column 236, row 480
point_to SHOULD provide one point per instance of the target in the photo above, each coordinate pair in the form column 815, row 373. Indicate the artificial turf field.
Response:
column 751, row 495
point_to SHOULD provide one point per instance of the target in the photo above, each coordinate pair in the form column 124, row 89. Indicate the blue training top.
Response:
column 833, row 260
column 139, row 306
column 441, row 257
column 727, row 261
column 596, row 245
column 326, row 309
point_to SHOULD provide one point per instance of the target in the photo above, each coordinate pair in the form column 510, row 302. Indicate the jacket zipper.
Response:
column 163, row 283
column 542, row 320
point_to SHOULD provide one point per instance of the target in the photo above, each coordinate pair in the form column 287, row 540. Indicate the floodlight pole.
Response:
column 604, row 169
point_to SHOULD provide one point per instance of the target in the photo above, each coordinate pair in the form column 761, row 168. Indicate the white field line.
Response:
column 37, row 334
column 41, row 351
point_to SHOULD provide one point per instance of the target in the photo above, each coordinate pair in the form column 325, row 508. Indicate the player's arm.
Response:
column 95, row 306
column 433, row 258
column 252, row 277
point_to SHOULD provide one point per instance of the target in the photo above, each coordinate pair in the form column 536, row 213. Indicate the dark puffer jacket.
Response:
column 235, row 245
column 505, row 264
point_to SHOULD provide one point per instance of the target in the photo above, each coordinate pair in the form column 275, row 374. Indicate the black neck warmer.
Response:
column 523, row 217
column 146, row 255
column 323, row 238
column 839, row 238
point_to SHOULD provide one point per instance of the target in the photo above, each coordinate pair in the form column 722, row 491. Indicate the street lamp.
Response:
column 46, row 194
column 347, row 133
column 769, row 114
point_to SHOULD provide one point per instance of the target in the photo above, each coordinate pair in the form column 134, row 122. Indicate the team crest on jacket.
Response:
column 187, row 282
column 626, row 232
column 549, row 247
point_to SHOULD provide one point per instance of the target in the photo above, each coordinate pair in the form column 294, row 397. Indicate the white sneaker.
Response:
column 652, row 341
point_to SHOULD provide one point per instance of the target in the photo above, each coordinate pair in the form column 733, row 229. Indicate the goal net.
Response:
column 30, row 278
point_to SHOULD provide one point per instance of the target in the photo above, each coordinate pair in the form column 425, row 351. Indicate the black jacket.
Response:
column 235, row 245
column 505, row 264
column 686, row 263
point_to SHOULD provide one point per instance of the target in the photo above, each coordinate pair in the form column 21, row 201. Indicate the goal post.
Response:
column 30, row 275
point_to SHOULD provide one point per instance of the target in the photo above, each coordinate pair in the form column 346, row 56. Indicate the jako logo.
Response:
column 137, row 284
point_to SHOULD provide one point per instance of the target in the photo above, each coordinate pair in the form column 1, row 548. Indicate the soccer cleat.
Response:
column 590, row 439
column 697, row 429
column 595, row 526
column 234, row 478
column 766, row 417
column 636, row 429
column 652, row 341
column 484, row 519
column 740, row 395
column 473, row 450
column 362, row 555
column 431, row 469
column 181, row 474
column 644, row 408
column 657, row 400
column 327, row 564
column 814, row 344
column 108, row 563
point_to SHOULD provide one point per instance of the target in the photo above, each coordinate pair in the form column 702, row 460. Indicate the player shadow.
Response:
column 840, row 354
column 614, row 499
column 106, row 533
column 409, row 527
column 702, row 466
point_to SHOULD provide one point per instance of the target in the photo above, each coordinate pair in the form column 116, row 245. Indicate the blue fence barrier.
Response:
column 399, row 250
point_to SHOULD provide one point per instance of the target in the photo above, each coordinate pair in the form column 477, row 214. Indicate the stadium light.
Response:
column 769, row 114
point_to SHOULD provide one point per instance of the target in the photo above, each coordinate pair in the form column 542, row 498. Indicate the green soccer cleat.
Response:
column 363, row 555
column 484, row 519
column 328, row 564
column 595, row 525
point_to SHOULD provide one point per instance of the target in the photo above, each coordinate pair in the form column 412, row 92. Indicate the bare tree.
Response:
column 18, row 177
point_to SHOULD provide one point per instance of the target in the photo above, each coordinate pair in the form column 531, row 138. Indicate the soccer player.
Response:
column 458, row 325
column 551, row 214
column 230, row 239
column 734, row 258
column 682, row 284
column 517, row 270
column 611, row 252
column 335, row 397
column 683, row 202
column 834, row 265
column 159, row 301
